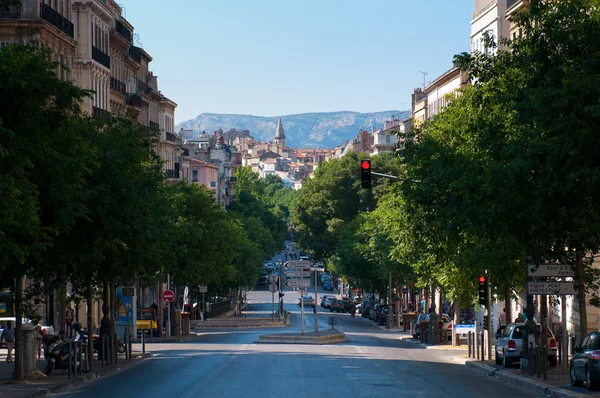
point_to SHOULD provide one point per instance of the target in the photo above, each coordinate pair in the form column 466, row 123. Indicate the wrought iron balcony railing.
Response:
column 135, row 53
column 101, row 57
column 49, row 14
column 100, row 112
column 122, row 30
column 134, row 100
column 12, row 12
column 154, row 126
column 117, row 85
column 143, row 87
column 171, row 137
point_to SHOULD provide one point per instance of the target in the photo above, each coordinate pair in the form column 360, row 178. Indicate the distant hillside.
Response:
column 305, row 130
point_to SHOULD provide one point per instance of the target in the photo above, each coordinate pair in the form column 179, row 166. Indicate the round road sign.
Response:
column 273, row 278
column 168, row 296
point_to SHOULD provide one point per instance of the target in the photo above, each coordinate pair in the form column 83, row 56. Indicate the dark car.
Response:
column 337, row 306
column 585, row 363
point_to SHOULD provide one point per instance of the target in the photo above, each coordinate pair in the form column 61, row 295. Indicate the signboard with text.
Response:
column 553, row 270
column 550, row 288
column 297, row 283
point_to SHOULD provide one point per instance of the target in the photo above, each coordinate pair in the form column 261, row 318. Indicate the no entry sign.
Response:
column 168, row 296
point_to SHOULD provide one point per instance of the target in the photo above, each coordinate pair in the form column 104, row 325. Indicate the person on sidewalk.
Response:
column 8, row 335
column 39, row 337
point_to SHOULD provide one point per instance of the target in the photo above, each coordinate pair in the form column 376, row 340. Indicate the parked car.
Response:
column 417, row 325
column 327, row 285
column 326, row 301
column 585, row 363
column 308, row 301
column 337, row 306
column 13, row 320
column 508, row 345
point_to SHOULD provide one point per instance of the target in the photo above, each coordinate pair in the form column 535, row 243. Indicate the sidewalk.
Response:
column 58, row 380
column 557, row 384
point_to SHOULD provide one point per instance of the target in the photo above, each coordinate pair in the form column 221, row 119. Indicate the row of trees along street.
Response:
column 509, row 169
column 84, row 200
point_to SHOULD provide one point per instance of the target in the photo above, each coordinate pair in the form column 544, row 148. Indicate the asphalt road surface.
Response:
column 229, row 364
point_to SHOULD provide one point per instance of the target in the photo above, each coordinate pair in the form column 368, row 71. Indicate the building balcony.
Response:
column 61, row 23
column 13, row 12
column 510, row 3
column 170, row 137
column 100, row 57
column 117, row 85
column 154, row 126
column 123, row 31
column 143, row 87
column 99, row 112
column 171, row 173
column 135, row 54
column 134, row 100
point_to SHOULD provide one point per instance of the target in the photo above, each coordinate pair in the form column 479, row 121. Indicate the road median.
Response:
column 329, row 336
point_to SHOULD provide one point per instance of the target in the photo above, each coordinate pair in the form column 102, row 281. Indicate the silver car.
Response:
column 508, row 345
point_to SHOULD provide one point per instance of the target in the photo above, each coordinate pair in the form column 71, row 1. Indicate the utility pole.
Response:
column 387, row 325
column 168, row 309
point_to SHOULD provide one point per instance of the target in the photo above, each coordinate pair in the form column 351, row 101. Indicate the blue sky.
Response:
column 279, row 57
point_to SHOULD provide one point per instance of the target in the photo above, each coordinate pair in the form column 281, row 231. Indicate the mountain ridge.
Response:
column 302, row 130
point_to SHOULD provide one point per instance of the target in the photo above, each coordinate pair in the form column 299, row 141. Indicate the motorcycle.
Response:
column 57, row 355
column 98, row 342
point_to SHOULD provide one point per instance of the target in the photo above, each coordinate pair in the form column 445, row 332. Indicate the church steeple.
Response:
column 279, row 134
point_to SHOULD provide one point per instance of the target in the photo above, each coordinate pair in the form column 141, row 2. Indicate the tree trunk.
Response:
column 63, row 300
column 580, row 277
column 456, row 320
column 544, row 310
column 90, row 326
column 18, row 352
column 508, row 304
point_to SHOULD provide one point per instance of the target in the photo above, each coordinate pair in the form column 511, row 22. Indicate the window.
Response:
column 194, row 175
column 387, row 139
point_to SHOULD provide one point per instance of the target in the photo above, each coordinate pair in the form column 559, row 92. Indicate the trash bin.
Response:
column 185, row 323
column 407, row 320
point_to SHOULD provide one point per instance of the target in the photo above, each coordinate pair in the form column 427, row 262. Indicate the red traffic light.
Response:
column 365, row 165
column 482, row 279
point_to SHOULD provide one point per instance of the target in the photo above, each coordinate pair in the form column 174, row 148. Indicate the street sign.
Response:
column 293, row 264
column 318, row 269
column 297, row 274
column 168, row 296
column 297, row 283
column 202, row 289
column 273, row 278
column 556, row 270
column 550, row 288
column 273, row 287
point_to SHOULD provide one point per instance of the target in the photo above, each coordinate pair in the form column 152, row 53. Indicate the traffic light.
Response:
column 486, row 322
column 281, row 295
column 365, row 173
column 483, row 289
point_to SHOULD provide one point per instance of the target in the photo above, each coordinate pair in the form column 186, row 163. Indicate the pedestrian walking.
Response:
column 8, row 336
column 69, row 316
column 39, row 336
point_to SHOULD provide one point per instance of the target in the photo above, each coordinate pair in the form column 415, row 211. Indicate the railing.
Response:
column 61, row 23
column 171, row 173
column 100, row 112
column 143, row 87
column 134, row 100
column 484, row 9
column 117, row 85
column 154, row 126
column 135, row 54
column 171, row 137
column 511, row 3
column 100, row 57
column 13, row 12
column 122, row 30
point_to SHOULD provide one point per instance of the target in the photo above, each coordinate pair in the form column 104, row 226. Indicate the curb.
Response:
column 306, row 340
column 533, row 385
column 241, row 326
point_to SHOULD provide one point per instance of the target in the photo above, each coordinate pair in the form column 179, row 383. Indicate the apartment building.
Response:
column 489, row 17
column 511, row 8
column 44, row 21
column 441, row 91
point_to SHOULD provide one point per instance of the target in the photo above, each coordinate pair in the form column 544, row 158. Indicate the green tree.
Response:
column 45, row 161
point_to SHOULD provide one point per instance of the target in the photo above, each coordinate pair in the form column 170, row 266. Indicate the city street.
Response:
column 229, row 364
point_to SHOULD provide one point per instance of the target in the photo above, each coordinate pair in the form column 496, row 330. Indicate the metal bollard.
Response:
column 79, row 370
column 70, row 356
column 482, row 346
column 545, row 362
column 530, row 359
column 126, row 344
column 143, row 341
column 130, row 345
column 116, row 347
column 469, row 344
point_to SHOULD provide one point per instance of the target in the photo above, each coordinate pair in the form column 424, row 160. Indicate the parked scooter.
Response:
column 57, row 355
